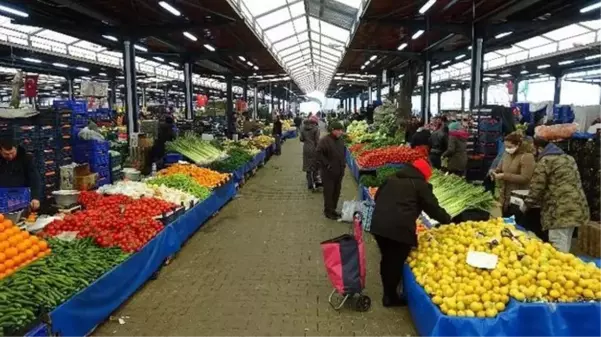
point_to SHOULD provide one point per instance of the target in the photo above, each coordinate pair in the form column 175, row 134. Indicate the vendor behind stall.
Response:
column 17, row 170
column 515, row 169
column 557, row 188
column 165, row 134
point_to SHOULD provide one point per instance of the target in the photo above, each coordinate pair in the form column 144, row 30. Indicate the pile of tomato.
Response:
column 389, row 155
column 114, row 220
column 357, row 148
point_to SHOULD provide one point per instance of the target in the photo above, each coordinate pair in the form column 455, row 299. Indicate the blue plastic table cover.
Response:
column 518, row 319
column 84, row 311
column 352, row 165
column 371, row 169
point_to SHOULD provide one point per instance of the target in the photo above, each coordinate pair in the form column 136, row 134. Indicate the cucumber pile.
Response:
column 48, row 282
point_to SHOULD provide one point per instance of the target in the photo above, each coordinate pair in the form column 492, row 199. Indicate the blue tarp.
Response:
column 364, row 193
column 371, row 169
column 79, row 315
column 352, row 165
column 238, row 174
column 518, row 319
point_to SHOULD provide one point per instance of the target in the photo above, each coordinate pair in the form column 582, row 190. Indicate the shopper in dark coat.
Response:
column 438, row 142
column 309, row 136
column 456, row 152
column 276, row 132
column 165, row 134
column 399, row 202
column 18, row 170
column 331, row 159
column 298, row 121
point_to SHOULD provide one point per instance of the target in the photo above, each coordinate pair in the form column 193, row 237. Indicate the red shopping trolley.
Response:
column 344, row 258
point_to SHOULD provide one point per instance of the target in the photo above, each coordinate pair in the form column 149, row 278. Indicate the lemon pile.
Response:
column 527, row 269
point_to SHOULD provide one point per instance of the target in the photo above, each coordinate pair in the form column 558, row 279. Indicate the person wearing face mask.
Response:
column 331, row 161
column 515, row 169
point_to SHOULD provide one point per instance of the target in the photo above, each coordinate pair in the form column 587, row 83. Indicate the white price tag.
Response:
column 482, row 260
column 516, row 201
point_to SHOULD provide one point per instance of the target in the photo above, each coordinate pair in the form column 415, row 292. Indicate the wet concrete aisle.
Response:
column 256, row 269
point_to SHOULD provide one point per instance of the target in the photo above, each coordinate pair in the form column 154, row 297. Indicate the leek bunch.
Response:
column 456, row 195
column 193, row 147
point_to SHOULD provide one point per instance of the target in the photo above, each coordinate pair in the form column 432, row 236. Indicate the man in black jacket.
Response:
column 331, row 158
column 17, row 170
column 399, row 202
column 277, row 135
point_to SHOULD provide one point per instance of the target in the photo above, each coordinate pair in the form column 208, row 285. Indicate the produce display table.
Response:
column 289, row 134
column 259, row 159
column 84, row 311
column 352, row 165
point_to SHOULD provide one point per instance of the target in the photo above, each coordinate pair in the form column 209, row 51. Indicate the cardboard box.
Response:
column 85, row 183
column 589, row 239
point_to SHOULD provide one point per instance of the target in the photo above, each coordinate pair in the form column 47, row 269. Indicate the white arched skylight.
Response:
column 307, row 37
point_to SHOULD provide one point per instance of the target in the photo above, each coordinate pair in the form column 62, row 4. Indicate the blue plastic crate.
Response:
column 489, row 136
column 66, row 130
column 27, row 131
column 79, row 120
column 65, row 161
column 47, row 132
column 80, row 158
column 103, row 171
column 100, row 158
column 13, row 199
column 103, row 181
column 66, row 151
column 76, row 106
column 171, row 158
column 48, row 155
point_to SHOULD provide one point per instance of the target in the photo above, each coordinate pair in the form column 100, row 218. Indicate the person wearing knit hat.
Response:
column 332, row 163
column 399, row 203
column 456, row 152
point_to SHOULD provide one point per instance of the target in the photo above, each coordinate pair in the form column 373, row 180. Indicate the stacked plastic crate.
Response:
column 41, row 142
column 489, row 132
column 116, row 166
column 96, row 154
column 71, row 117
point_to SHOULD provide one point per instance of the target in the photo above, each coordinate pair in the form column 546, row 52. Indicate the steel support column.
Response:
column 462, row 99
column 391, row 86
column 188, row 91
column 426, row 92
column 271, row 98
column 70, row 87
column 143, row 89
column 477, row 69
column 379, row 88
column 354, row 104
column 438, row 102
column 255, row 103
column 113, row 95
column 245, row 91
column 557, row 92
column 166, row 96
column 229, row 107
column 485, row 94
column 369, row 94
column 514, row 91
column 131, row 93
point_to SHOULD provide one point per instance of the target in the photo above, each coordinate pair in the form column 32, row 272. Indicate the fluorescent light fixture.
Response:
column 140, row 48
column 256, row 68
column 563, row 63
column 435, row 66
column 249, row 63
column 169, row 8
column 209, row 47
column 159, row 59
column 505, row 75
column 373, row 57
column 362, row 67
column 102, row 74
column 402, row 46
column 82, row 69
column 110, row 37
column 60, row 65
column 13, row 11
column 32, row 60
column 417, row 34
column 469, row 48
column 459, row 57
column 242, row 58
column 174, row 64
column 190, row 36
column 524, row 72
column 503, row 35
column 366, row 62
column 590, row 7
column 487, row 79
column 592, row 57
column 427, row 6
column 444, row 63
column 543, row 66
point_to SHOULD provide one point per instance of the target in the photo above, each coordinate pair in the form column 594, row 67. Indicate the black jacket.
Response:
column 165, row 135
column 331, row 156
column 298, row 121
column 421, row 138
column 400, row 201
column 21, row 172
column 439, row 141
column 277, row 128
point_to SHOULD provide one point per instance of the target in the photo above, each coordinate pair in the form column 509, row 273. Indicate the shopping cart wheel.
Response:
column 363, row 303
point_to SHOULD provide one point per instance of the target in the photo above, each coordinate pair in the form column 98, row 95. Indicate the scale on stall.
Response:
column 66, row 201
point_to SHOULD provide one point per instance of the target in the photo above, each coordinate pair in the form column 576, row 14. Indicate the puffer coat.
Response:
column 517, row 170
column 309, row 135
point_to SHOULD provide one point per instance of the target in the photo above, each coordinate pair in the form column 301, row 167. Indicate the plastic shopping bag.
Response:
column 349, row 208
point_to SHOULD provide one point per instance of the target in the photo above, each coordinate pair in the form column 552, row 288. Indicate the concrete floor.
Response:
column 256, row 269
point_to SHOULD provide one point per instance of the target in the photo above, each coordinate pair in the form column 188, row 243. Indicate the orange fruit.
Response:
column 7, row 223
column 4, row 245
column 40, row 254
column 24, row 235
column 21, row 246
column 27, row 242
column 3, row 236
column 2, row 267
column 9, row 264
column 34, row 238
column 35, row 249
column 13, row 241
column 47, row 251
column 17, row 260
column 1, row 217
column 43, row 245
column 9, row 271
column 1, row 226
column 2, row 257
column 29, row 254
column 11, row 252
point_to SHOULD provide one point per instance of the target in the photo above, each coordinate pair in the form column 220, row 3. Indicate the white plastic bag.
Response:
column 349, row 208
